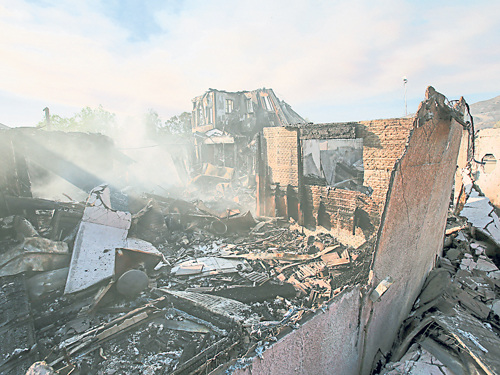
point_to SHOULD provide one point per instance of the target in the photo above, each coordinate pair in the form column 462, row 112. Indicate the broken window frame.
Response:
column 249, row 105
column 357, row 147
column 209, row 114
column 267, row 103
column 229, row 105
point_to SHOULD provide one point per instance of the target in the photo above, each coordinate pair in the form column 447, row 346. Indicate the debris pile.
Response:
column 149, row 284
column 165, row 286
column 455, row 322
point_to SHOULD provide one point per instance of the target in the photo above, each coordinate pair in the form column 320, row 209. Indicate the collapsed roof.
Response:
column 163, row 284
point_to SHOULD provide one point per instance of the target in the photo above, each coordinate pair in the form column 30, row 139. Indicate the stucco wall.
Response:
column 412, row 228
column 413, row 217
column 326, row 344
column 488, row 142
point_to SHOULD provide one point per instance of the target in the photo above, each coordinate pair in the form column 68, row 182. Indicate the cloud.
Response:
column 319, row 56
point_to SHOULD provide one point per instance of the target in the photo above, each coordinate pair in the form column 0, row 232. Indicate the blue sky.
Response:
column 330, row 60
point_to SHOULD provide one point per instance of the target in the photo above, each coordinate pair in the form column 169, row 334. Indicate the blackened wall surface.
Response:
column 384, row 141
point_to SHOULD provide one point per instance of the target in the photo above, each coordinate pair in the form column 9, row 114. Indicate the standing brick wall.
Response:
column 384, row 142
column 347, row 336
column 282, row 156
column 339, row 205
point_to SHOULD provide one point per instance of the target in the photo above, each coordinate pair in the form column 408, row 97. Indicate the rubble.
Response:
column 46, row 283
column 480, row 213
column 455, row 322
column 207, row 266
column 34, row 254
column 101, row 231
column 40, row 368
column 132, row 282
column 18, row 350
column 419, row 361
column 279, row 226
column 227, row 293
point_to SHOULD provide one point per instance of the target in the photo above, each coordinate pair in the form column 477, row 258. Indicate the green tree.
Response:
column 177, row 125
column 90, row 120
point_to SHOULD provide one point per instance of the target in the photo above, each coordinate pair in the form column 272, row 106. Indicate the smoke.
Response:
column 53, row 187
column 132, row 156
column 153, row 169
column 137, row 159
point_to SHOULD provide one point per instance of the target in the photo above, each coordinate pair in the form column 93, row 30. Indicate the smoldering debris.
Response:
column 195, row 292
column 207, row 276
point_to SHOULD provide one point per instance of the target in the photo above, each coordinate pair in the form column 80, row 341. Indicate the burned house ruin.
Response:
column 225, row 123
column 316, row 278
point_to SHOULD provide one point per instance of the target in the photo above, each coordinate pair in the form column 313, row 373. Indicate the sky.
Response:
column 332, row 61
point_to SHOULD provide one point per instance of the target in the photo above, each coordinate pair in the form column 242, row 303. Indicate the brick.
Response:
column 384, row 142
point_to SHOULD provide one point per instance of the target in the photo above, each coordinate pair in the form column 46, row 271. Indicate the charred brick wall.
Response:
column 384, row 142
column 410, row 235
column 334, row 209
column 340, row 130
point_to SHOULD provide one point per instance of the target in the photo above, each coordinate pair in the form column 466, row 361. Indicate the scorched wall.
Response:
column 410, row 164
column 383, row 143
column 412, row 229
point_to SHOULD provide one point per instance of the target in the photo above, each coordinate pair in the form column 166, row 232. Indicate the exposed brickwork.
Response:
column 406, row 247
column 415, row 218
column 339, row 206
column 327, row 131
column 378, row 180
column 282, row 156
column 384, row 142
